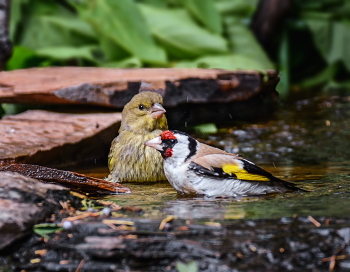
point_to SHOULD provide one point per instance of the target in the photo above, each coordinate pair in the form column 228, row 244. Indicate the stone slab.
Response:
column 113, row 87
column 48, row 138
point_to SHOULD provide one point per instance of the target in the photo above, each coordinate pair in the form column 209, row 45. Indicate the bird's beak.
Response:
column 155, row 143
column 156, row 111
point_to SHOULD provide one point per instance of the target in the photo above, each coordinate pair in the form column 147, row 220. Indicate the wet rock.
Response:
column 115, row 87
column 292, row 245
column 48, row 138
column 24, row 202
column 191, row 96
column 345, row 234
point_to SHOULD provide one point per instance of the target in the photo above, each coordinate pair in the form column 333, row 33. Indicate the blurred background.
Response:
column 308, row 41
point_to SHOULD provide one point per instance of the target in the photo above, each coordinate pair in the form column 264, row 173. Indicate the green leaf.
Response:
column 12, row 109
column 205, row 12
column 322, row 34
column 283, row 86
column 243, row 42
column 190, row 267
column 332, row 39
column 48, row 31
column 46, row 228
column 229, row 62
column 74, row 24
column 180, row 35
column 132, row 62
column 156, row 3
column 67, row 52
column 15, row 16
column 111, row 50
column 122, row 23
column 19, row 58
column 340, row 49
column 2, row 112
column 207, row 128
column 237, row 7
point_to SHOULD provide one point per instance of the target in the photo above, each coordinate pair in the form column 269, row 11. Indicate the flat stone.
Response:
column 48, row 138
column 24, row 202
column 115, row 87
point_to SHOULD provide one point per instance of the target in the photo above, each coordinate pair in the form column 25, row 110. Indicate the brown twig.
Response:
column 314, row 221
column 80, row 265
column 166, row 220
column 335, row 258
column 81, row 216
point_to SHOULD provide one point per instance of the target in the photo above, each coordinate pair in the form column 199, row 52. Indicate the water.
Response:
column 307, row 143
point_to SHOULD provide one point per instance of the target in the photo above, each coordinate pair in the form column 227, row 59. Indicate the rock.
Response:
column 191, row 96
column 115, row 87
column 24, row 202
column 48, row 138
column 137, row 244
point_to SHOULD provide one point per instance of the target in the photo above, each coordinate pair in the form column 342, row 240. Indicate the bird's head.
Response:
column 144, row 113
column 174, row 144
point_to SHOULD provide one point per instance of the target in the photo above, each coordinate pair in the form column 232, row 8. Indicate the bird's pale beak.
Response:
column 156, row 111
column 155, row 143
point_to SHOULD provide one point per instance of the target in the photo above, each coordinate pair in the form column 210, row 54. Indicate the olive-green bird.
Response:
column 129, row 159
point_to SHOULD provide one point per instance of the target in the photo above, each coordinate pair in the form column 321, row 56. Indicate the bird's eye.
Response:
column 172, row 141
column 141, row 107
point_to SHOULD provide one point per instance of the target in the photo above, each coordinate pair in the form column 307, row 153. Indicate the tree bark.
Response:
column 5, row 43
column 268, row 23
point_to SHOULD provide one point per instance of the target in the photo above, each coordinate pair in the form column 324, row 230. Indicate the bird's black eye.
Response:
column 141, row 107
column 172, row 141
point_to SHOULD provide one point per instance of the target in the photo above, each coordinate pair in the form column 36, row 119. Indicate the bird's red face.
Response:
column 164, row 143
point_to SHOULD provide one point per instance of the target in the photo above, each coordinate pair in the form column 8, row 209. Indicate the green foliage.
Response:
column 243, row 42
column 229, row 61
column 46, row 228
column 313, row 50
column 120, row 22
column 206, row 13
column 180, row 35
column 134, row 33
column 206, row 128
column 190, row 267
column 2, row 112
column 323, row 58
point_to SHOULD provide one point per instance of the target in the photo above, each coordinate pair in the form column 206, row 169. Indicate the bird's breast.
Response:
column 177, row 175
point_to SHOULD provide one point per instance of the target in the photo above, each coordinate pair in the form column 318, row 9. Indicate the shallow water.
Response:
column 307, row 143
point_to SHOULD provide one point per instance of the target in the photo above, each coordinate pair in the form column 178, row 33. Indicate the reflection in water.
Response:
column 309, row 146
column 329, row 195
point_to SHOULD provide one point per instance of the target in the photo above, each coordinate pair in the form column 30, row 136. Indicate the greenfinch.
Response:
column 196, row 168
column 129, row 159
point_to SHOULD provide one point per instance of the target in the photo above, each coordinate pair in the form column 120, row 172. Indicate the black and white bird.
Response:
column 195, row 168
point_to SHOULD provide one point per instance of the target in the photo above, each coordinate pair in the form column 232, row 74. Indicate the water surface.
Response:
column 307, row 143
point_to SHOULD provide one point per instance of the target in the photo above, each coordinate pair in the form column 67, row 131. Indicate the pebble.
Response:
column 67, row 225
column 106, row 211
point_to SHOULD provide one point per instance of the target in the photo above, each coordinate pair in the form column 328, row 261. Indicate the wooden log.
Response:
column 115, row 87
column 74, row 181
column 48, row 138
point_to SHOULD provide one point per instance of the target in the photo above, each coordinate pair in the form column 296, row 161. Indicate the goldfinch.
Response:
column 195, row 168
column 129, row 159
